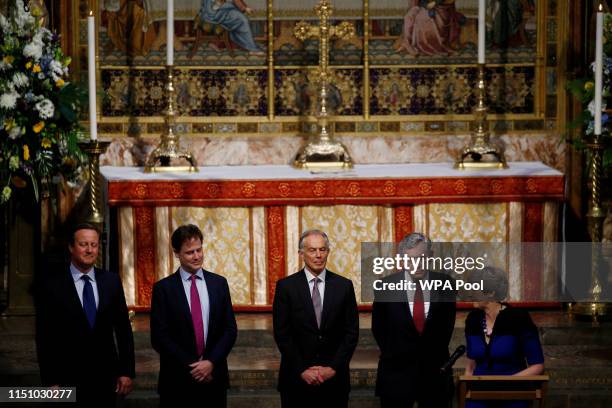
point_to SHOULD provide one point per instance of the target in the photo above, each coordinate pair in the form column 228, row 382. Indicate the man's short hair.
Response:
column 185, row 233
column 81, row 226
column 412, row 240
column 310, row 232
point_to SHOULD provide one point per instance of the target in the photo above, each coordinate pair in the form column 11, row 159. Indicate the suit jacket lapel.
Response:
column 330, row 283
column 304, row 290
column 183, row 304
column 102, row 290
column 212, row 300
column 72, row 297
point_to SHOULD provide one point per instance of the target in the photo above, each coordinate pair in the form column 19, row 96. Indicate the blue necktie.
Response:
column 89, row 301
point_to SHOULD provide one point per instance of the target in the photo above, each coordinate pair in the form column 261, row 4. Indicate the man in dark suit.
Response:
column 413, row 329
column 80, row 311
column 192, row 328
column 316, row 327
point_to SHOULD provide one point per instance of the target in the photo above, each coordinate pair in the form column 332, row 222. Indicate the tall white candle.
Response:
column 481, row 31
column 598, row 69
column 170, row 33
column 91, row 70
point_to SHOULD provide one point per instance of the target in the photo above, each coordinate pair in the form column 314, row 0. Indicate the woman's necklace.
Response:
column 489, row 332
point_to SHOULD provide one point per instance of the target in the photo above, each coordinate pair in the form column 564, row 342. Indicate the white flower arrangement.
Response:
column 39, row 108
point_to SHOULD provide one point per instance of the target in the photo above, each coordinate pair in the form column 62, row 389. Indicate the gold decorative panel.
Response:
column 227, row 244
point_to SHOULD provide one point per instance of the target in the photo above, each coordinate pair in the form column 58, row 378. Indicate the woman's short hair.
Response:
column 495, row 282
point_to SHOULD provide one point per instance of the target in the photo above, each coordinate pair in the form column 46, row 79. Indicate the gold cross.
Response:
column 324, row 31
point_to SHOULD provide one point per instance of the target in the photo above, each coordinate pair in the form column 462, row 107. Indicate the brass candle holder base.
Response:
column 480, row 154
column 592, row 310
column 169, row 146
column 323, row 155
column 94, row 148
column 478, row 150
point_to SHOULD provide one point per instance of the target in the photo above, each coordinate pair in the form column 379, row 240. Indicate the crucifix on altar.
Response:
column 322, row 151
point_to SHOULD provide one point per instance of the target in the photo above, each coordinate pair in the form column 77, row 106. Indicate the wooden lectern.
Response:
column 502, row 387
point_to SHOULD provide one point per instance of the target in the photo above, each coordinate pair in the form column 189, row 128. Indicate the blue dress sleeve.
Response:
column 530, row 341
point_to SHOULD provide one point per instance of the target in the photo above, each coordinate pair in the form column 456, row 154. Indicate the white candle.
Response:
column 91, row 68
column 170, row 33
column 598, row 69
column 481, row 31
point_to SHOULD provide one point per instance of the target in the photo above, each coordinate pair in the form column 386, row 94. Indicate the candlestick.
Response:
column 598, row 69
column 91, row 67
column 170, row 33
column 481, row 31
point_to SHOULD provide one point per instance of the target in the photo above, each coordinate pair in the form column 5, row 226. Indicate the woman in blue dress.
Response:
column 501, row 340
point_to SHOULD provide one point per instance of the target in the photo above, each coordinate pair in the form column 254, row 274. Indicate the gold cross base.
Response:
column 323, row 155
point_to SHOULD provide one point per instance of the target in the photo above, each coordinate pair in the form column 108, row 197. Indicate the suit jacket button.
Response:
column 320, row 337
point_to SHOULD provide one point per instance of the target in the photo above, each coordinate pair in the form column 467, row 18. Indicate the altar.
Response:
column 252, row 217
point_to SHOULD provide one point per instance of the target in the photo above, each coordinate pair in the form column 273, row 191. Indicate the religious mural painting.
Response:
column 410, row 61
column 207, row 32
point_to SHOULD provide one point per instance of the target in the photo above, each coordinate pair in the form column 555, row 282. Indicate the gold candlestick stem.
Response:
column 169, row 147
column 596, row 215
column 94, row 149
column 480, row 148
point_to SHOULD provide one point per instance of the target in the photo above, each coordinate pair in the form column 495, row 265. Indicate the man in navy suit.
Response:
column 192, row 328
column 316, row 327
column 413, row 329
column 80, row 312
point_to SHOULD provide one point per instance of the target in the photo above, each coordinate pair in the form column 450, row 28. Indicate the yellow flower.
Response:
column 26, row 153
column 38, row 127
column 45, row 143
column 8, row 59
column 9, row 124
column 36, row 68
column 28, row 65
column 59, row 83
column 588, row 85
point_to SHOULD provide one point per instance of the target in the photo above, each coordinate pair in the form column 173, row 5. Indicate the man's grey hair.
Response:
column 412, row 240
column 310, row 232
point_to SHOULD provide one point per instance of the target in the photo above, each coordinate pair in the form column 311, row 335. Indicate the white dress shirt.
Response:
column 79, row 283
column 410, row 293
column 202, row 292
column 310, row 278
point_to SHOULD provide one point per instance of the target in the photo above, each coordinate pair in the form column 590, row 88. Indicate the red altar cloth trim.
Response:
column 144, row 237
column 533, row 261
column 336, row 191
column 275, row 222
column 403, row 217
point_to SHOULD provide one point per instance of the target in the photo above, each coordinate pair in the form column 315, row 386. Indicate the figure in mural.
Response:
column 127, row 27
column 231, row 15
column 508, row 25
column 431, row 28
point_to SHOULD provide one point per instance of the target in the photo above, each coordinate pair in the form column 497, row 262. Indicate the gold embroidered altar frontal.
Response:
column 252, row 222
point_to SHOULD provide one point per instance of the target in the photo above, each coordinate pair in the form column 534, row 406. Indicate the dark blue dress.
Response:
column 514, row 345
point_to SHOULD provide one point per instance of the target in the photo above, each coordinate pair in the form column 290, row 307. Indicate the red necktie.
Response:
column 418, row 309
column 196, row 316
